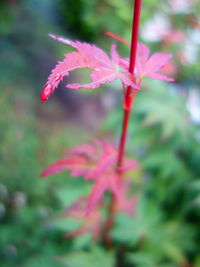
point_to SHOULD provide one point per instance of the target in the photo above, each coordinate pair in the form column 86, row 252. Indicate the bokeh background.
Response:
column 164, row 134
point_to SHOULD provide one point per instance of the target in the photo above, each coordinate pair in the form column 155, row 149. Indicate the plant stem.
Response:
column 130, row 94
column 127, row 112
column 128, row 101
column 109, row 223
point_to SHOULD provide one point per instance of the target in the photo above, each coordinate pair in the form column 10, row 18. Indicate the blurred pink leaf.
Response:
column 174, row 36
column 125, row 203
column 92, row 223
column 95, row 161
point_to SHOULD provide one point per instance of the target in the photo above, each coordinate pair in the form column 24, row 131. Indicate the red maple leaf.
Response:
column 95, row 161
column 105, row 69
column 92, row 223
column 146, row 65
column 125, row 203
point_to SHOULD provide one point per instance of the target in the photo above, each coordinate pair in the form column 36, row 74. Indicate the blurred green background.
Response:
column 164, row 135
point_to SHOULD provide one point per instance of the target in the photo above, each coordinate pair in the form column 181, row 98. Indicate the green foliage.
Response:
column 151, row 238
column 163, row 137
column 95, row 257
column 27, row 203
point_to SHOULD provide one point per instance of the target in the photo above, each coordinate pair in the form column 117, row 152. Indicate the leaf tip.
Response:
column 60, row 39
column 53, row 36
column 47, row 91
column 42, row 174
column 43, row 97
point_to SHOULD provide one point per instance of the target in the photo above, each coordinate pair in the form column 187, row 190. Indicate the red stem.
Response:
column 130, row 94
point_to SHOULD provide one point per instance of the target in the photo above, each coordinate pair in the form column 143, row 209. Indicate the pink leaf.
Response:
column 98, row 189
column 76, row 164
column 114, row 184
column 155, row 62
column 72, row 61
column 85, row 150
column 91, row 223
column 129, row 164
column 95, row 161
column 60, row 39
column 114, row 55
column 86, row 56
column 142, row 56
column 123, row 202
column 149, row 66
column 103, row 165
column 158, row 76
column 145, row 65
column 78, row 209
